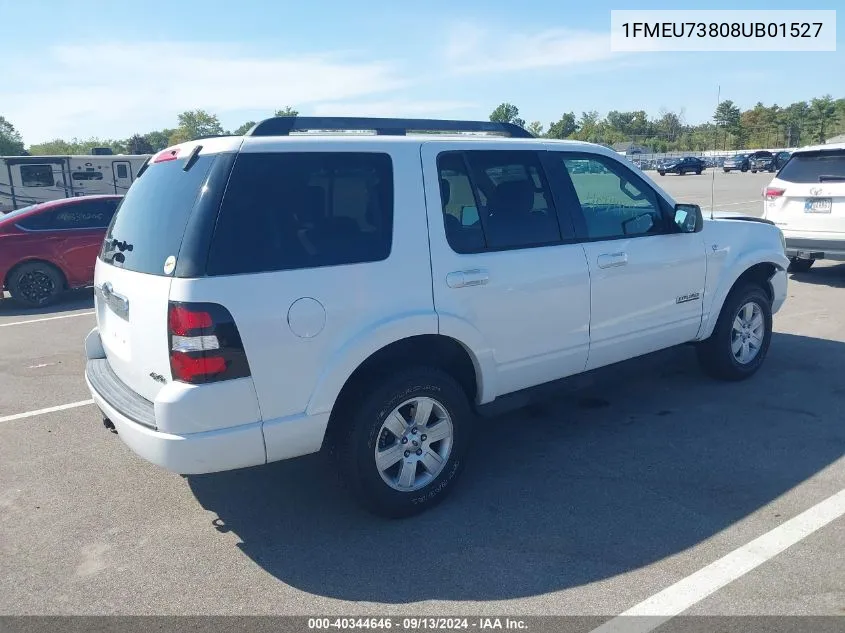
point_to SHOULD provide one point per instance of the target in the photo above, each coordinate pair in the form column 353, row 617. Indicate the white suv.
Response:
column 261, row 297
column 806, row 199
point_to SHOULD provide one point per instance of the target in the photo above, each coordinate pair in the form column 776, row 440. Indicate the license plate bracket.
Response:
column 818, row 205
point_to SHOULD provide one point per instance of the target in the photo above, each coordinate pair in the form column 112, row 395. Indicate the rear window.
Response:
column 821, row 166
column 149, row 225
column 293, row 210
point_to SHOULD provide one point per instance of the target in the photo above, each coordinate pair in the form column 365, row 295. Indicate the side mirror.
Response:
column 688, row 218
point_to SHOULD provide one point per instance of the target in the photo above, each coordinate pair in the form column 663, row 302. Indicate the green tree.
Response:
column 11, row 143
column 821, row 117
column 75, row 146
column 195, row 124
column 244, row 128
column 137, row 144
column 564, row 127
column 158, row 139
column 287, row 111
column 536, row 128
column 729, row 117
column 507, row 113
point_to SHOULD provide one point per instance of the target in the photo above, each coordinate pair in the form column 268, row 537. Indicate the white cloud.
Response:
column 472, row 49
column 115, row 89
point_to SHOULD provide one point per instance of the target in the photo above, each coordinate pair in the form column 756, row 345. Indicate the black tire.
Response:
column 727, row 171
column 753, row 171
column 355, row 443
column 798, row 265
column 715, row 354
column 662, row 173
column 744, row 169
column 697, row 172
column 36, row 284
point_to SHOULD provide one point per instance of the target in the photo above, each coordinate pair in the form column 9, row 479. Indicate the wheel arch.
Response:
column 433, row 350
column 760, row 273
column 36, row 260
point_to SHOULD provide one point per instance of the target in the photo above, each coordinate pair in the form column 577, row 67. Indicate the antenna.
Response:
column 715, row 142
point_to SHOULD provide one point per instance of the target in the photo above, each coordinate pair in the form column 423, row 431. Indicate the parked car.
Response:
column 762, row 161
column 268, row 296
column 781, row 158
column 681, row 166
column 738, row 162
column 806, row 199
column 51, row 247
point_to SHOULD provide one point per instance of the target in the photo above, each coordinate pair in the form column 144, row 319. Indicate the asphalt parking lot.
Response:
column 639, row 477
column 735, row 192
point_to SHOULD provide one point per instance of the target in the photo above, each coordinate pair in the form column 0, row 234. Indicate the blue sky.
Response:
column 114, row 68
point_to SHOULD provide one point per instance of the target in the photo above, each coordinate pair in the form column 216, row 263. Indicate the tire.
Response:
column 727, row 171
column 662, row 173
column 716, row 354
column 36, row 284
column 797, row 265
column 357, row 443
column 698, row 172
column 753, row 171
column 744, row 169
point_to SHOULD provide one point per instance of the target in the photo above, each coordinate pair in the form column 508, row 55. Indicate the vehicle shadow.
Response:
column 639, row 462
column 833, row 276
column 69, row 301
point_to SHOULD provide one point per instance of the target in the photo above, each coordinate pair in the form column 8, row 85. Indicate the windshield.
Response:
column 18, row 212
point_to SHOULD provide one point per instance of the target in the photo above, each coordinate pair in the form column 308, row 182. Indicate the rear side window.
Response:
column 153, row 216
column 822, row 166
column 496, row 200
column 294, row 210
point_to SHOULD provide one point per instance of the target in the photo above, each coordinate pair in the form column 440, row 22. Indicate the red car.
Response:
column 50, row 247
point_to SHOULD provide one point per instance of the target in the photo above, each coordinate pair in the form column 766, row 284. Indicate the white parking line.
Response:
column 61, row 407
column 679, row 597
column 52, row 318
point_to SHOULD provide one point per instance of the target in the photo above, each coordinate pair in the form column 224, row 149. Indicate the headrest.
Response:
column 513, row 196
column 445, row 191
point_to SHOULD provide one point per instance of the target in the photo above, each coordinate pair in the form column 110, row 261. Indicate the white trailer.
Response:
column 26, row 180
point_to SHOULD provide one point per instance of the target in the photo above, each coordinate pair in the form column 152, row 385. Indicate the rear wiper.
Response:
column 831, row 178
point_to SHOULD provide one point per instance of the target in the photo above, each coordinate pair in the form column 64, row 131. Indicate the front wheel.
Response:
column 405, row 442
column 727, row 170
column 798, row 265
column 662, row 173
column 740, row 341
column 697, row 172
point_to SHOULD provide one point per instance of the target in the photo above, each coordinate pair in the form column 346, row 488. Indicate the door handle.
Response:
column 464, row 278
column 609, row 260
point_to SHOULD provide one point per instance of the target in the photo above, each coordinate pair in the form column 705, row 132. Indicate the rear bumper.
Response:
column 230, row 432
column 193, row 453
column 812, row 248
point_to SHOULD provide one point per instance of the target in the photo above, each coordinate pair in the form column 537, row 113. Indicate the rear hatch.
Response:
column 808, row 193
column 144, row 247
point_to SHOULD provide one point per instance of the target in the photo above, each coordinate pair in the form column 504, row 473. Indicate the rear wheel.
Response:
column 36, row 284
column 798, row 265
column 403, row 447
column 740, row 341
column 726, row 170
column 697, row 172
column 662, row 173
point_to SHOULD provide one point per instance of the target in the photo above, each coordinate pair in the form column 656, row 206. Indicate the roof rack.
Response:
column 283, row 126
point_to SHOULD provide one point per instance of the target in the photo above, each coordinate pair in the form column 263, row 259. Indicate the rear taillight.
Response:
column 770, row 193
column 205, row 345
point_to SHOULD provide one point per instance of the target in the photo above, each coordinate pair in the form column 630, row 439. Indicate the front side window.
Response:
column 494, row 200
column 294, row 210
column 614, row 202
column 37, row 175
